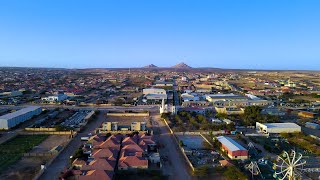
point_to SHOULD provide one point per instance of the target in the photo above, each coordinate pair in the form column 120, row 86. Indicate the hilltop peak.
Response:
column 150, row 66
column 181, row 65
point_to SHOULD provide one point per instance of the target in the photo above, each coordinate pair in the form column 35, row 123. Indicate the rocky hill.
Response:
column 150, row 66
column 181, row 66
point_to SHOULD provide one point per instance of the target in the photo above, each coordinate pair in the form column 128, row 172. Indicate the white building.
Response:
column 154, row 91
column 278, row 128
column 12, row 119
column 163, row 84
column 189, row 97
column 216, row 121
column 55, row 98
column 224, row 97
column 227, row 121
column 155, row 96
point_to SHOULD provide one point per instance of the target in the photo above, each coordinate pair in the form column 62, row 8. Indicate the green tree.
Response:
column 233, row 173
column 221, row 116
column 202, row 171
column 206, row 145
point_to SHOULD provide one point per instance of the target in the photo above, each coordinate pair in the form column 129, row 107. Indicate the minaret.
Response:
column 162, row 108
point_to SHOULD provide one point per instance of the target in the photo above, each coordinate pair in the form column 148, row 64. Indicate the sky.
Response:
column 244, row 34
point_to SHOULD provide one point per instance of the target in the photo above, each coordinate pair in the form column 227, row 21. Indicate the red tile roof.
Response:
column 78, row 162
column 109, row 153
column 128, row 141
column 97, row 174
column 109, row 143
column 99, row 164
column 130, row 150
column 133, row 162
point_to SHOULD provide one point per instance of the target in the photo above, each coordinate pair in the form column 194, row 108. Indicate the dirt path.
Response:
column 176, row 166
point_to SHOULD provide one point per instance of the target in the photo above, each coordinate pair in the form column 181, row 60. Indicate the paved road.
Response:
column 315, row 132
column 63, row 160
column 151, row 108
column 176, row 167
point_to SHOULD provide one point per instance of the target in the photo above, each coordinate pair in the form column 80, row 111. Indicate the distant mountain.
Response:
column 181, row 66
column 150, row 66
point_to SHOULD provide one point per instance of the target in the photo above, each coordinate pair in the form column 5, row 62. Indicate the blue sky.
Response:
column 256, row 34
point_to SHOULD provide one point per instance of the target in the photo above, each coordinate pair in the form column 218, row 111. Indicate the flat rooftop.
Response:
column 19, row 112
column 230, row 143
column 282, row 125
column 231, row 95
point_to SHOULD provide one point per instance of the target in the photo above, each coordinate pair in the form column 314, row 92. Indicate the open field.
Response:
column 28, row 167
column 25, row 168
column 51, row 142
column 12, row 150
column 192, row 141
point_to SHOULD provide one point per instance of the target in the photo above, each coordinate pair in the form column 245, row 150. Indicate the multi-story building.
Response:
column 138, row 126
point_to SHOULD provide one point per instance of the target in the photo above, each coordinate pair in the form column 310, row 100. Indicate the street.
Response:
column 175, row 166
column 63, row 160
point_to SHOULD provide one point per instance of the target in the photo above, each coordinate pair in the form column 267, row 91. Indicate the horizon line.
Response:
column 150, row 68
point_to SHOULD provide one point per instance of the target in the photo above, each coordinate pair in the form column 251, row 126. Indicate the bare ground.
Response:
column 27, row 167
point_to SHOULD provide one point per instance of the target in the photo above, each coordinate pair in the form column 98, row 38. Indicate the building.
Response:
column 110, row 126
column 307, row 114
column 11, row 94
column 154, row 91
column 232, row 148
column 12, row 119
column 278, row 128
column 185, row 97
column 195, row 104
column 163, row 84
column 312, row 125
column 229, row 110
column 224, row 97
column 138, row 126
column 242, row 103
column 55, row 98
column 197, row 110
column 273, row 112
column 227, row 121
column 155, row 97
column 236, row 100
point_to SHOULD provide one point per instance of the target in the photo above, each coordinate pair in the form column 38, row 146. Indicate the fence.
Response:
column 128, row 114
column 36, row 177
column 50, row 132
column 254, row 134
column 199, row 133
column 40, row 129
column 182, row 150
column 121, row 132
column 38, row 154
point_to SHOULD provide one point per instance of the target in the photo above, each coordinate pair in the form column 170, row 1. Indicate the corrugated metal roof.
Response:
column 230, row 143
column 282, row 125
column 19, row 112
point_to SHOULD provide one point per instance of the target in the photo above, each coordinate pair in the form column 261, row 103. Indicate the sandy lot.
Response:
column 126, row 121
column 51, row 142
column 27, row 167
